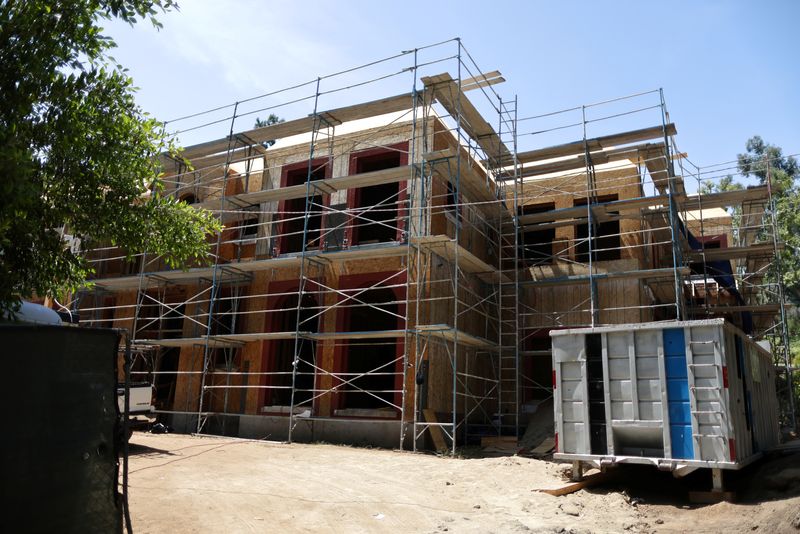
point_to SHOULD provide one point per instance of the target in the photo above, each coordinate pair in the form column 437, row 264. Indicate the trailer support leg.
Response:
column 577, row 471
column 716, row 480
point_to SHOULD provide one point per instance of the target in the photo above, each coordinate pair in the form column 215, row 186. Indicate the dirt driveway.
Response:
column 184, row 483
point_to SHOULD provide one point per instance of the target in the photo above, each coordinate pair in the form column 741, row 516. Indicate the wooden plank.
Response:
column 154, row 279
column 448, row 333
column 598, row 158
column 481, row 83
column 625, row 205
column 447, row 92
column 589, row 481
column 595, row 144
column 303, row 125
column 730, row 253
column 373, row 334
column 725, row 198
column 467, row 261
column 482, row 80
column 544, row 447
column 765, row 309
column 384, row 176
column 665, row 272
column 436, row 433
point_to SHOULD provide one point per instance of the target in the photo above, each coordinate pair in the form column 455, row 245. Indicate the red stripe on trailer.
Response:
column 732, row 448
column 725, row 377
column 556, row 443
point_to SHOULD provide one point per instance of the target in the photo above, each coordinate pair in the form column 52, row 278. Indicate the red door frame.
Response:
column 354, row 194
column 282, row 205
column 278, row 293
column 356, row 281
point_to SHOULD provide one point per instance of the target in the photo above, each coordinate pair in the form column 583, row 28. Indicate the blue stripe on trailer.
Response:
column 680, row 414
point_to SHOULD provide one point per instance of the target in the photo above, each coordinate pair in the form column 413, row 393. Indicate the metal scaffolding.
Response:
column 391, row 262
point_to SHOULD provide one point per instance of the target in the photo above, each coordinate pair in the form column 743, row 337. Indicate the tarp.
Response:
column 722, row 273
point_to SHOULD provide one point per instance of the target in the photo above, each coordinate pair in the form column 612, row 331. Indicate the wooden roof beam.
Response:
column 597, row 143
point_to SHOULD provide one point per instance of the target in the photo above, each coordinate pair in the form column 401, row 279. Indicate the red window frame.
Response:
column 354, row 194
column 283, row 204
column 278, row 293
column 367, row 280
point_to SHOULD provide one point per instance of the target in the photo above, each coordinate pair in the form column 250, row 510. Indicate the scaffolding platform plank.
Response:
column 373, row 334
column 303, row 125
column 453, row 99
column 448, row 333
column 189, row 342
column 596, row 144
column 326, row 186
column 224, row 340
column 725, row 198
column 154, row 279
column 482, row 80
column 480, row 190
column 761, row 309
column 467, row 261
column 661, row 171
column 651, row 274
column 619, row 206
column 731, row 253
column 575, row 163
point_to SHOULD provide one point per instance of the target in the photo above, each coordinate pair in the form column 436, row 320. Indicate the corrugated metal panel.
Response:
column 680, row 419
column 569, row 356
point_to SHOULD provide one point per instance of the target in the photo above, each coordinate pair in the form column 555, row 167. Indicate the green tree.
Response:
column 725, row 184
column 77, row 154
column 272, row 119
column 764, row 160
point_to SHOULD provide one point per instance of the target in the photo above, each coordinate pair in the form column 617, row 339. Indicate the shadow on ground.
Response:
column 775, row 477
column 136, row 449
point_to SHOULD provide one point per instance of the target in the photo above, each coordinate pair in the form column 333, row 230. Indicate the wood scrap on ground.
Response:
column 435, row 431
column 572, row 487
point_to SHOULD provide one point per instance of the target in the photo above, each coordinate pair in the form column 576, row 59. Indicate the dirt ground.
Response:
column 184, row 483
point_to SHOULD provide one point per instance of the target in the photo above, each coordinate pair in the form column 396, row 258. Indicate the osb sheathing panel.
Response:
column 562, row 192
column 568, row 305
column 326, row 349
column 712, row 226
column 478, row 321
column 125, row 309
column 440, row 381
column 475, row 234
column 252, row 354
column 187, row 385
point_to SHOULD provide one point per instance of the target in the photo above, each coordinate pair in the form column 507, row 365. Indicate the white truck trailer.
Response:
column 677, row 395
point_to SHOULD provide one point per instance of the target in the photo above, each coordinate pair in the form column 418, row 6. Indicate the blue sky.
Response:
column 729, row 70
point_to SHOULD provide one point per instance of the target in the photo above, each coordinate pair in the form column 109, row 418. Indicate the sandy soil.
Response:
column 200, row 484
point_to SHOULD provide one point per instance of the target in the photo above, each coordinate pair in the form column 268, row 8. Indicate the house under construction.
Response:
column 390, row 268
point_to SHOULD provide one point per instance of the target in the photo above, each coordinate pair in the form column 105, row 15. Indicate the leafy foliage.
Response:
column 764, row 160
column 77, row 154
column 272, row 119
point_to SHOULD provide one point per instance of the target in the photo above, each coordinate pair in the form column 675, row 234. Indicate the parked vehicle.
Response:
column 141, row 410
